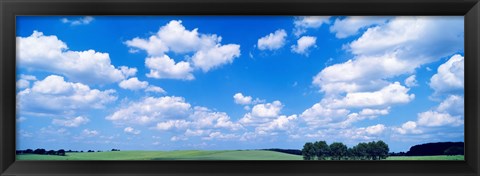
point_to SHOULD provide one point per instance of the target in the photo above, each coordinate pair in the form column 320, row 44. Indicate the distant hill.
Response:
column 439, row 148
column 288, row 151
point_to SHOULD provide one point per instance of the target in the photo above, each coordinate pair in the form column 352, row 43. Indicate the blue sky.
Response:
column 237, row 82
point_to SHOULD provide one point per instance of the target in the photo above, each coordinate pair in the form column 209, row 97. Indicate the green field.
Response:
column 200, row 155
column 439, row 157
column 169, row 155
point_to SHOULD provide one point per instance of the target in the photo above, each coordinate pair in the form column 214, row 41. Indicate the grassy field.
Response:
column 439, row 157
column 200, row 155
column 169, row 155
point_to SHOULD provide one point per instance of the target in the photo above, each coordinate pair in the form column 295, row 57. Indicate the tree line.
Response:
column 320, row 150
column 61, row 152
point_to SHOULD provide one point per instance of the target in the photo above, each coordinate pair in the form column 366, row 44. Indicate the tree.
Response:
column 308, row 151
column 381, row 150
column 39, row 151
column 61, row 152
column 338, row 150
column 322, row 150
column 28, row 151
column 360, row 151
column 51, row 152
column 454, row 150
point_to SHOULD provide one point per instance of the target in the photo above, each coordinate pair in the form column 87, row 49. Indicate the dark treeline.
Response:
column 429, row 149
column 320, row 150
column 60, row 152
column 289, row 151
column 440, row 148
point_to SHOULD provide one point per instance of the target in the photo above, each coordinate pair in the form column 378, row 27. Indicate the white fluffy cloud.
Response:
column 150, row 110
column 267, row 110
column 281, row 123
column 303, row 23
column 130, row 130
column 133, row 84
column 350, row 25
column 450, row 75
column 434, row 119
column 409, row 127
column 155, row 89
column 170, row 124
column 411, row 81
column 318, row 115
column 164, row 67
column 205, row 118
column 394, row 93
column 262, row 113
column 376, row 129
column 448, row 113
column 55, row 95
column 216, row 56
column 453, row 104
column 239, row 98
column 207, row 51
column 303, row 44
column 24, row 81
column 128, row 72
column 272, row 41
column 48, row 53
column 79, row 21
column 397, row 47
column 71, row 122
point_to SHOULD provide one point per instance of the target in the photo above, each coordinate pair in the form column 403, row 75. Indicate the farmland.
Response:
column 169, row 155
column 201, row 155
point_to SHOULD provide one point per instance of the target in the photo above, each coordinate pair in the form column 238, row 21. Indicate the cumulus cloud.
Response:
column 395, row 48
column 79, row 21
column 450, row 76
column 151, row 109
column 303, row 23
column 216, row 56
column 206, row 118
column 376, row 129
column 394, row 93
column 48, row 53
column 303, row 44
column 272, row 41
column 318, row 115
column 133, row 84
column 155, row 89
column 411, row 81
column 409, row 127
column 170, row 124
column 164, row 67
column 128, row 72
column 351, row 25
column 71, row 122
column 54, row 95
column 130, row 130
column 448, row 113
column 239, row 98
column 267, row 110
column 281, row 123
column 208, row 53
column 453, row 104
column 434, row 119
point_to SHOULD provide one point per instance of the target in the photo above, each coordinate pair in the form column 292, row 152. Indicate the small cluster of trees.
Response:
column 60, row 152
column 320, row 150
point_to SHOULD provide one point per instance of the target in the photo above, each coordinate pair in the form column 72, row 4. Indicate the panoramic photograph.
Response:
column 240, row 88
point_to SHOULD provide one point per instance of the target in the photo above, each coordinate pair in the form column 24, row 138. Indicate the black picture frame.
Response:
column 470, row 9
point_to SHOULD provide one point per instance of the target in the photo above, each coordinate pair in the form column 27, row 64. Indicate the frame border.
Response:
column 9, row 9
